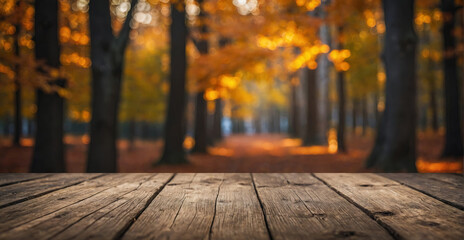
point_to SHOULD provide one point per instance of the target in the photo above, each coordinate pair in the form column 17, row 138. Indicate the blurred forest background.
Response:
column 231, row 85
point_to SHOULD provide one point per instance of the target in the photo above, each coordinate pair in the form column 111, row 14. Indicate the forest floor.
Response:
column 238, row 153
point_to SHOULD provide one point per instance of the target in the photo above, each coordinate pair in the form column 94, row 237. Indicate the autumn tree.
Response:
column 18, row 106
column 174, row 130
column 48, row 153
column 107, row 55
column 453, row 135
column 200, row 131
column 394, row 148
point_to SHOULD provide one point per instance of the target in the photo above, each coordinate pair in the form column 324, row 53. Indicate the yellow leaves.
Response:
column 65, row 34
column 6, row 45
column 188, row 143
column 308, row 57
column 309, row 4
column 211, row 94
column 80, row 116
column 381, row 77
column 74, row 58
column 312, row 65
column 7, row 71
column 422, row 18
column 265, row 42
column 78, row 38
column 338, row 58
column 229, row 81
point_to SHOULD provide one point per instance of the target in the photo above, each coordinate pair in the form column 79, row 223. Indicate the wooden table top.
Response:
column 231, row 206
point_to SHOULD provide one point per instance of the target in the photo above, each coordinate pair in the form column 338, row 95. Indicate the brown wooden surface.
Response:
column 231, row 206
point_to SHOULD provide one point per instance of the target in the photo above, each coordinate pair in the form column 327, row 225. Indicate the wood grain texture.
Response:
column 185, row 209
column 448, row 188
column 12, row 178
column 30, row 189
column 110, row 221
column 298, row 206
column 232, row 206
column 406, row 212
column 131, row 190
column 15, row 215
column 238, row 211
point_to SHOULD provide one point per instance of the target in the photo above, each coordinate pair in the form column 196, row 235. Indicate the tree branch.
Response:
column 123, row 38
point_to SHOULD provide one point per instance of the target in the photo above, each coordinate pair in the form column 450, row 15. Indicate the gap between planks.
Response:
column 124, row 230
column 389, row 229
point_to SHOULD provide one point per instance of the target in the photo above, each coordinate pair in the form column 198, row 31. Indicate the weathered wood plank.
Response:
column 448, row 188
column 298, row 206
column 15, row 215
column 113, row 208
column 12, row 194
column 406, row 212
column 238, row 211
column 183, row 210
column 110, row 221
column 12, row 178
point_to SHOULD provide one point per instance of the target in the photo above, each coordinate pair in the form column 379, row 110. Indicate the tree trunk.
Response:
column 48, row 153
column 217, row 117
column 295, row 117
column 431, row 81
column 341, row 112
column 453, row 135
column 276, row 116
column 107, row 55
column 354, row 115
column 376, row 110
column 175, row 119
column 6, row 126
column 131, row 134
column 310, row 137
column 433, row 106
column 18, row 116
column 200, row 124
column 323, row 78
column 395, row 147
column 258, row 124
column 217, row 120
column 364, row 115
column 201, row 111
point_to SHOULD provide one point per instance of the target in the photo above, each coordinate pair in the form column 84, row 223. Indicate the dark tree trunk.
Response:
column 295, row 117
column 364, row 115
column 107, row 55
column 131, row 135
column 376, row 109
column 6, row 126
column 18, row 116
column 341, row 112
column 277, row 120
column 453, row 136
column 341, row 101
column 201, row 112
column 175, row 119
column 354, row 115
column 217, row 120
column 217, row 117
column 433, row 105
column 48, row 153
column 431, row 81
column 200, row 124
column 395, row 146
column 310, row 137
column 258, row 129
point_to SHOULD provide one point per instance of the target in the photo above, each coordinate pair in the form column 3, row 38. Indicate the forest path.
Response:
column 239, row 153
